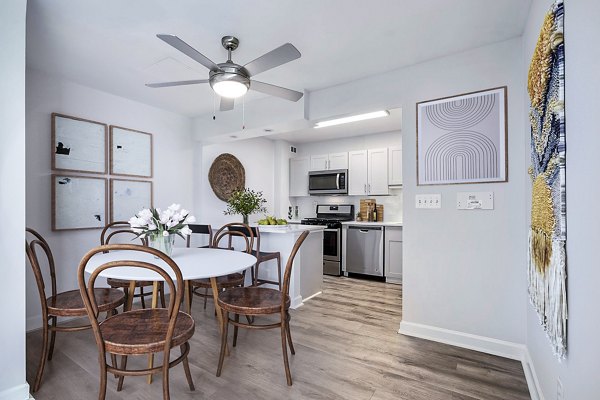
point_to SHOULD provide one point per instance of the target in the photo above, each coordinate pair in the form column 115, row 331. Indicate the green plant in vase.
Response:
column 245, row 202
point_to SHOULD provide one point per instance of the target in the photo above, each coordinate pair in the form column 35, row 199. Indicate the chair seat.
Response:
column 70, row 304
column 144, row 331
column 123, row 283
column 227, row 281
column 252, row 300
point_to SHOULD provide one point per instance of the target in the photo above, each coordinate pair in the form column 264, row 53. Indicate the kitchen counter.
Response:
column 290, row 228
column 381, row 223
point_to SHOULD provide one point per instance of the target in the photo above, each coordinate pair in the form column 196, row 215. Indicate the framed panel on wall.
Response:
column 128, row 197
column 78, row 202
column 130, row 152
column 78, row 145
column 462, row 139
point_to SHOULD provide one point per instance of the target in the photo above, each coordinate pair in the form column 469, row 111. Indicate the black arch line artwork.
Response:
column 462, row 152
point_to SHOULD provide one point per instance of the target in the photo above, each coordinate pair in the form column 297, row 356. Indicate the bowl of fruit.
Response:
column 272, row 222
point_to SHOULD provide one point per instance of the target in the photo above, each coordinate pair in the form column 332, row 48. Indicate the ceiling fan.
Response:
column 230, row 80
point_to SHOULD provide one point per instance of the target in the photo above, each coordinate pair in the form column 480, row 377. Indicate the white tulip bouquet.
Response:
column 153, row 222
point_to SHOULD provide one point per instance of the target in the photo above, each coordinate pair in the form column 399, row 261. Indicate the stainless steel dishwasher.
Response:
column 364, row 250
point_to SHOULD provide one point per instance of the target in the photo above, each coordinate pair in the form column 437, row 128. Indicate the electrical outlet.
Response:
column 428, row 201
column 560, row 392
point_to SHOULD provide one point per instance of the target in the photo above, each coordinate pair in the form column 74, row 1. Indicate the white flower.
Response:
column 145, row 214
column 171, row 223
column 185, row 231
column 190, row 219
column 165, row 233
column 174, row 207
column 137, row 230
column 152, row 226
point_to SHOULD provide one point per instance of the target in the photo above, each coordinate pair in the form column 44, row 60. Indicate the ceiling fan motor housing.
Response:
column 229, row 72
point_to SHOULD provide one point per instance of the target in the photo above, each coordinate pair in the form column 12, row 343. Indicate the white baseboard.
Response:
column 296, row 302
column 20, row 392
column 514, row 351
column 311, row 296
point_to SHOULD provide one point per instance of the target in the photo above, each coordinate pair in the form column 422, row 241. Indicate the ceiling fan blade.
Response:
column 188, row 51
column 226, row 104
column 178, row 83
column 287, row 94
column 272, row 59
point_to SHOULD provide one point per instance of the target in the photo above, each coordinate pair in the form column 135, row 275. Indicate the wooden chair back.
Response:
column 118, row 228
column 244, row 232
column 248, row 231
column 30, row 249
column 87, row 288
column 288, row 268
column 199, row 229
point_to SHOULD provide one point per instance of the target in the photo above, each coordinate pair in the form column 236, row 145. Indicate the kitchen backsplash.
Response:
column 392, row 204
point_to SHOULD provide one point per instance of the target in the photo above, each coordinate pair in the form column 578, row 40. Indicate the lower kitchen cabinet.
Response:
column 393, row 254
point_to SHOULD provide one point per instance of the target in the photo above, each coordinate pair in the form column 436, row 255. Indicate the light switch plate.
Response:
column 475, row 200
column 428, row 201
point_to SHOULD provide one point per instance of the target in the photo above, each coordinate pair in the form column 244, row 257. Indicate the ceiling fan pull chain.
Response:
column 214, row 106
column 243, row 112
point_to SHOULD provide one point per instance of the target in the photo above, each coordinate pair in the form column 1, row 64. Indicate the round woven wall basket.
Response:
column 226, row 176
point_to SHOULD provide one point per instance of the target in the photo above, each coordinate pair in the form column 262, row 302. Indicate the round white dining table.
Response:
column 194, row 263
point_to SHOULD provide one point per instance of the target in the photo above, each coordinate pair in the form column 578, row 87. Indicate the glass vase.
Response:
column 245, row 218
column 162, row 243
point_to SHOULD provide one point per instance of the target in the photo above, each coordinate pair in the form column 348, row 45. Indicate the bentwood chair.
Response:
column 255, row 301
column 199, row 229
column 122, row 229
column 262, row 256
column 141, row 331
column 231, row 280
column 64, row 304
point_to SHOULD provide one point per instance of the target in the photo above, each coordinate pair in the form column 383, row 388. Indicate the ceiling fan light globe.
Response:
column 230, row 89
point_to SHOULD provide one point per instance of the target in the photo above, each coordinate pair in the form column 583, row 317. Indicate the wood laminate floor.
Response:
column 347, row 348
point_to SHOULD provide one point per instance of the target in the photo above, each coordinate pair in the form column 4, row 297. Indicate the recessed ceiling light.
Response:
column 268, row 130
column 233, row 137
column 352, row 118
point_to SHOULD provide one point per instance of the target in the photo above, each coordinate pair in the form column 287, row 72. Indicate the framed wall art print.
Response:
column 128, row 197
column 78, row 202
column 463, row 139
column 130, row 152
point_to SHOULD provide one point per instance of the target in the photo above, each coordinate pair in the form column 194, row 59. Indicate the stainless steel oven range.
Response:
column 332, row 216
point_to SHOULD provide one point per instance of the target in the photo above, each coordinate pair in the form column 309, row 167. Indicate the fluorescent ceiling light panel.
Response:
column 352, row 118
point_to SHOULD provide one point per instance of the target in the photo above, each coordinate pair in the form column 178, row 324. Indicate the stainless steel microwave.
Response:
column 328, row 182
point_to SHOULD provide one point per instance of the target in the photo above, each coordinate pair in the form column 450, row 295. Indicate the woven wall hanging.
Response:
column 226, row 176
column 548, row 231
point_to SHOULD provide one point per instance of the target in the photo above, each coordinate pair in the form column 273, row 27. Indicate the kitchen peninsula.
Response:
column 307, row 271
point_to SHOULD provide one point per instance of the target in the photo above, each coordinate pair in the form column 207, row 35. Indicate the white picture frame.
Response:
column 78, row 145
column 463, row 139
column 128, row 197
column 78, row 202
column 130, row 152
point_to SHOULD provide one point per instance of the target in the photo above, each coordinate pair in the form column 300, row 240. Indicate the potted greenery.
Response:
column 245, row 202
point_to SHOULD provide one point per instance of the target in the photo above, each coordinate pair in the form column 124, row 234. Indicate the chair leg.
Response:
column 142, row 295
column 126, row 291
column 255, row 274
column 162, row 295
column 286, row 364
column 52, row 338
column 223, row 341
column 165, row 376
column 122, row 377
column 186, row 367
column 235, row 329
column 205, row 297
column 43, row 355
column 113, row 360
column 289, row 333
column 102, row 390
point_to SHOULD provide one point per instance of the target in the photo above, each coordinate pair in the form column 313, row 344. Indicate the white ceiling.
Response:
column 111, row 44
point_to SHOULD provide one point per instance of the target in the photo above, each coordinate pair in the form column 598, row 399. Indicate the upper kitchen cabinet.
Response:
column 322, row 162
column 368, row 172
column 299, row 176
column 395, row 166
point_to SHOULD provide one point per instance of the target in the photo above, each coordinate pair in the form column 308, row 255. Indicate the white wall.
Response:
column 392, row 204
column 258, row 158
column 173, row 162
column 12, row 200
column 463, row 271
column 579, row 372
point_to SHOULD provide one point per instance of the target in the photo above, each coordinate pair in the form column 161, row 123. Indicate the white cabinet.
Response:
column 299, row 176
column 378, row 172
column 368, row 172
column 393, row 254
column 322, row 162
column 395, row 166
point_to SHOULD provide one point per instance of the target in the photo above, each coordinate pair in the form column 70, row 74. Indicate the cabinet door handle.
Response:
column 369, row 188
column 365, row 188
